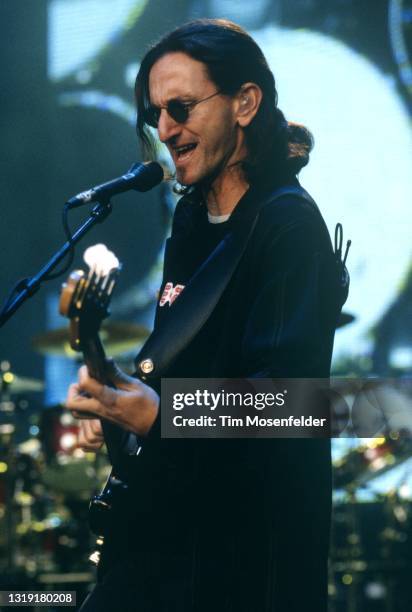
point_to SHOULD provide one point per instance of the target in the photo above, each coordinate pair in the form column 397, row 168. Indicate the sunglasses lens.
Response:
column 178, row 111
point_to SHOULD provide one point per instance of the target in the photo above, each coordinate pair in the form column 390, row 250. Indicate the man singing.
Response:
column 223, row 525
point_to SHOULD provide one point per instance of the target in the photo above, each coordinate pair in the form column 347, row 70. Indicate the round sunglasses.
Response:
column 179, row 111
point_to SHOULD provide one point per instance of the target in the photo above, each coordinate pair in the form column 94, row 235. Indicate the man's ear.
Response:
column 248, row 101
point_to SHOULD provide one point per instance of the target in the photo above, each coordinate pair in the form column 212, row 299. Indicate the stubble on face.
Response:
column 211, row 129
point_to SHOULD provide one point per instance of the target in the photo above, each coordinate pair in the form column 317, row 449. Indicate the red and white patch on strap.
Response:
column 170, row 293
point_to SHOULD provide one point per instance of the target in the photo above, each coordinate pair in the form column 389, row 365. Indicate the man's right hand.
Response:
column 90, row 437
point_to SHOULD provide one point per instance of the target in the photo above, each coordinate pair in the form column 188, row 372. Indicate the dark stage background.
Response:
column 67, row 123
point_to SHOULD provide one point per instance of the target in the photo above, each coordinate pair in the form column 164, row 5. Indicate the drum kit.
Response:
column 45, row 480
column 372, row 524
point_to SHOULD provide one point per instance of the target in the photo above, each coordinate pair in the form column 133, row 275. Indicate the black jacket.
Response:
column 247, row 519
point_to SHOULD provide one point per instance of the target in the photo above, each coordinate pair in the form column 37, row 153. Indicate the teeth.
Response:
column 185, row 148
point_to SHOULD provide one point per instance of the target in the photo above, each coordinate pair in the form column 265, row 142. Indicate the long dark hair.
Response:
column 233, row 58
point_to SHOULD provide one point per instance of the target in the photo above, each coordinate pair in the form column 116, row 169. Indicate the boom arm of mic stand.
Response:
column 98, row 214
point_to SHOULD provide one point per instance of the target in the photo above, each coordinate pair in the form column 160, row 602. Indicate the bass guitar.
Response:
column 84, row 300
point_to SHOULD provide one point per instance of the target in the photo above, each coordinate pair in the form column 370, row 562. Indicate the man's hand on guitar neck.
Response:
column 131, row 404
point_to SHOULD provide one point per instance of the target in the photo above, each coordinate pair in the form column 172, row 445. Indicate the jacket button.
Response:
column 146, row 366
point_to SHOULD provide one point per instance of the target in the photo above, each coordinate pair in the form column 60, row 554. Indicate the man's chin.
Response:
column 204, row 178
column 185, row 179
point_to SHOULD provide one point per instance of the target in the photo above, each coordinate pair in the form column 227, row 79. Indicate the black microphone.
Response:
column 140, row 177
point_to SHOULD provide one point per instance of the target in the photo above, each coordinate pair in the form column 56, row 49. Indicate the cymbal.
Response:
column 14, row 385
column 117, row 336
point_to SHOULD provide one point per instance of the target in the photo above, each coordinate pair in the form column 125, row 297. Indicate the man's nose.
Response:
column 167, row 127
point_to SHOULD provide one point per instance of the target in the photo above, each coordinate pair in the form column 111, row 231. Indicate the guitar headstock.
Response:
column 85, row 296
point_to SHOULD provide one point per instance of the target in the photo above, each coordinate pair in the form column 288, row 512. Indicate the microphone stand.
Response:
column 98, row 214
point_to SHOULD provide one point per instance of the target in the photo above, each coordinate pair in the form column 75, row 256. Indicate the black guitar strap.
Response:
column 202, row 293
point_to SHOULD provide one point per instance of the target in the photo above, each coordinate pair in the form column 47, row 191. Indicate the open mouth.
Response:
column 183, row 152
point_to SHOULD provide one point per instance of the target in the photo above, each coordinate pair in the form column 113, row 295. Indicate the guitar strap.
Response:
column 202, row 293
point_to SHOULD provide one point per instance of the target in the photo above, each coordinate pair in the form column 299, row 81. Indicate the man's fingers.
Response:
column 96, row 427
column 92, row 430
column 73, row 392
column 92, row 387
column 90, row 437
column 83, row 407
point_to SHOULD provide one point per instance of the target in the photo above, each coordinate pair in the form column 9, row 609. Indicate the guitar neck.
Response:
column 95, row 360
